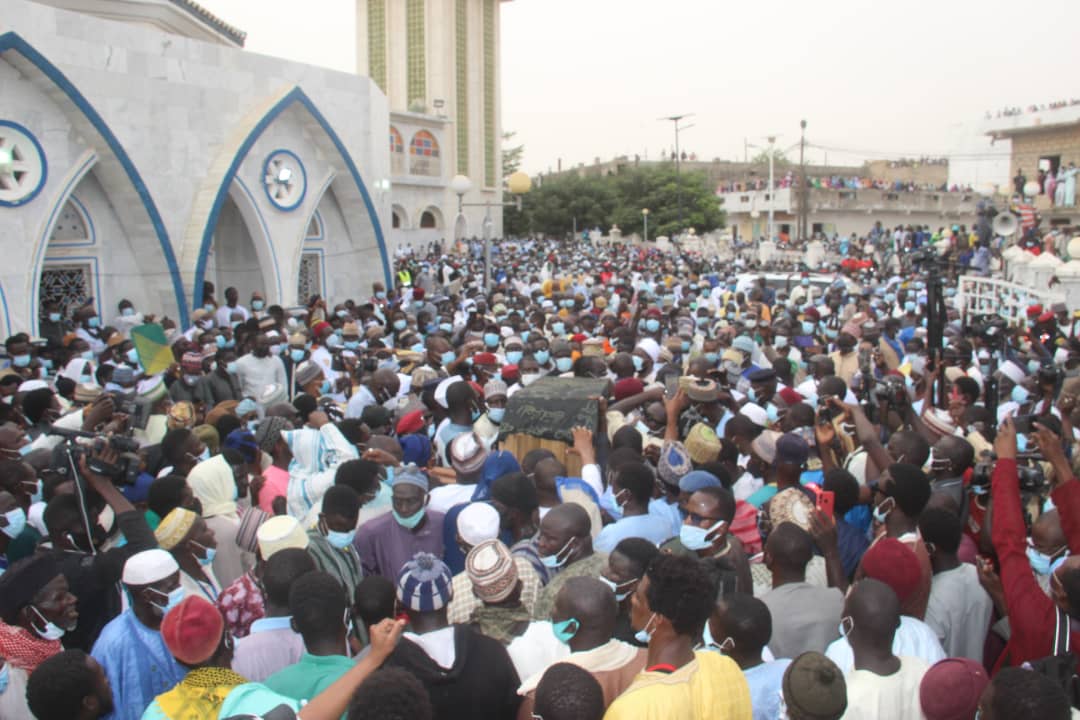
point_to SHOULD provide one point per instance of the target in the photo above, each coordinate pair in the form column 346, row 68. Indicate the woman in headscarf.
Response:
column 214, row 484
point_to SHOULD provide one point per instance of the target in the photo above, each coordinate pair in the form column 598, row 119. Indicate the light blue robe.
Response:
column 137, row 663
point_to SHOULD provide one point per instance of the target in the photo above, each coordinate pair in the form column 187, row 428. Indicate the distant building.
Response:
column 438, row 63
column 1046, row 139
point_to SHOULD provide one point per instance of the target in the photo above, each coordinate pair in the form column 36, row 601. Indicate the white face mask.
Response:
column 529, row 378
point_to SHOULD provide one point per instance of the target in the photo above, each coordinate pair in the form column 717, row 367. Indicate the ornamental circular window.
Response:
column 22, row 165
column 284, row 179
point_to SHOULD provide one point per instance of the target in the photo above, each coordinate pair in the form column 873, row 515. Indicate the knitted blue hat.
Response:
column 424, row 583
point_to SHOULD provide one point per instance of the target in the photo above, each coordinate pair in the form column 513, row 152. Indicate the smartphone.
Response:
column 1023, row 423
column 826, row 500
column 671, row 386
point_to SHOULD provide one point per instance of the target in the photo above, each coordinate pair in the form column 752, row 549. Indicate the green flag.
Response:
column 154, row 353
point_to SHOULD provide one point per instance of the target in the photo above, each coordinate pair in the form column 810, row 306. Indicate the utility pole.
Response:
column 772, row 187
column 804, row 191
column 674, row 119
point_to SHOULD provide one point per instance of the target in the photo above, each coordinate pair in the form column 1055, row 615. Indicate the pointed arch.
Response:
column 290, row 98
column 13, row 42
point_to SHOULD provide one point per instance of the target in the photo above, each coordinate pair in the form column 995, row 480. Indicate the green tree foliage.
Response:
column 618, row 199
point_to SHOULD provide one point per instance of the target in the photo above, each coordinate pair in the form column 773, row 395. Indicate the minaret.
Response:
column 441, row 58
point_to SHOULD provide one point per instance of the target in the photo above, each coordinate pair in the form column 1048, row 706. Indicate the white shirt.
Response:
column 536, row 649
column 959, row 612
column 447, row 496
column 360, row 400
column 886, row 697
column 223, row 315
column 913, row 638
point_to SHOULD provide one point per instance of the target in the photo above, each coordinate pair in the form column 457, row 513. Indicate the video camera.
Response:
column 1032, row 478
column 125, row 471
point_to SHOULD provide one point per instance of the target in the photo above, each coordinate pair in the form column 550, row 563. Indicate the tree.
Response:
column 513, row 221
column 779, row 158
column 558, row 202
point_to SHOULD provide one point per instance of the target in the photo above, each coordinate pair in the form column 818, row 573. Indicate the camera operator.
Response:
column 93, row 577
column 1034, row 617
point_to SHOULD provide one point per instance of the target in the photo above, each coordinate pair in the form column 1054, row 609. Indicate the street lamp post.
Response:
column 674, row 119
column 645, row 217
column 772, row 187
column 518, row 184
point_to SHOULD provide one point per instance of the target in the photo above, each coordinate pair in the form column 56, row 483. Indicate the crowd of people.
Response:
column 776, row 501
column 841, row 182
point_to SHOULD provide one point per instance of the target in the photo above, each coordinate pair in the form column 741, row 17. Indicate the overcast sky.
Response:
column 588, row 78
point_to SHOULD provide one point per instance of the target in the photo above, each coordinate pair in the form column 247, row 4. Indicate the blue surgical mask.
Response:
column 847, row 624
column 772, row 413
column 524, row 336
column 513, row 356
column 553, row 561
column 204, row 455
column 694, row 538
column 685, row 346
column 446, row 327
column 411, row 521
column 173, row 598
column 909, row 306
column 219, row 341
column 780, row 342
column 652, row 325
column 644, row 634
column 448, row 357
column 46, row 363
column 807, row 327
column 711, row 358
column 340, row 540
column 325, row 388
column 542, row 356
column 94, row 322
column 16, row 523
column 1033, row 366
column 1019, row 395
column 20, row 361
column 639, row 362
column 558, row 328
column 880, row 513
column 566, row 630
column 127, row 312
column 491, row 339
column 257, row 304
column 619, row 596
column 381, row 294
column 297, row 355
column 232, row 367
column 54, row 317
column 252, row 426
column 564, row 364
column 418, row 348
column 496, row 414
column 1041, row 563
column 400, row 324
column 208, row 554
column 51, row 631
column 351, row 344
column 751, row 395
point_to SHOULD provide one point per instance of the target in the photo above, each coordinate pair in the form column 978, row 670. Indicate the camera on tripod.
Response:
column 125, row 471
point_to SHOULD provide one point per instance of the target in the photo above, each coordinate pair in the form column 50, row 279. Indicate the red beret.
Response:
column 950, row 689
column 485, row 358
column 410, row 422
column 653, row 313
column 812, row 314
column 578, row 338
column 192, row 630
column 893, row 563
column 790, row 396
column 510, row 373
column 318, row 327
column 1046, row 317
column 1034, row 310
column 418, row 293
column 628, row 387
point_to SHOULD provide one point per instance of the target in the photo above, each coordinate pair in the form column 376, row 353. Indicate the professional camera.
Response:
column 138, row 411
column 125, row 471
column 891, row 390
column 1032, row 478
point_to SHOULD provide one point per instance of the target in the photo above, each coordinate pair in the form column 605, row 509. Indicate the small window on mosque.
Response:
column 71, row 225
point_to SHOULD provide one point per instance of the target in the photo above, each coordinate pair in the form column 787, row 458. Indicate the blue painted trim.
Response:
column 266, row 234
column 303, row 175
column 7, row 316
column 13, row 41
column 43, row 245
column 95, row 274
column 44, row 165
column 293, row 96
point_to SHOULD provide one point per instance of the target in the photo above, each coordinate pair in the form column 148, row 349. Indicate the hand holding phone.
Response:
column 826, row 501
